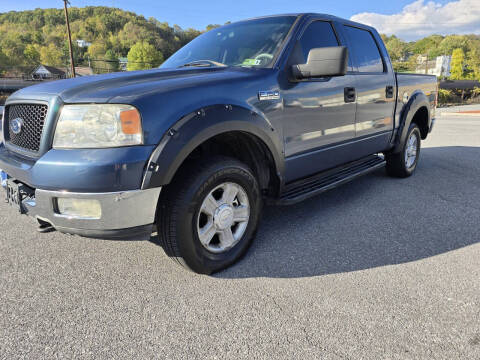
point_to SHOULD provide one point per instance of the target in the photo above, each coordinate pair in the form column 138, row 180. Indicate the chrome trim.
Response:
column 54, row 104
column 120, row 210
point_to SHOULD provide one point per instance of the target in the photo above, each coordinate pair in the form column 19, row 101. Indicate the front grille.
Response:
column 32, row 118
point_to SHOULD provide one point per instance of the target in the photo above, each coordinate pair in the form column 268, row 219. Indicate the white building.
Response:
column 442, row 68
column 439, row 67
column 83, row 43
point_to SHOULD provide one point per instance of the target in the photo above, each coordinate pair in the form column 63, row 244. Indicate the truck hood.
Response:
column 130, row 85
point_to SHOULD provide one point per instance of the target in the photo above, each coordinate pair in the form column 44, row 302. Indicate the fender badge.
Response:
column 269, row 95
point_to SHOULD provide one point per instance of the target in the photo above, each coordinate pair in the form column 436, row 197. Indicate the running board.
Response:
column 326, row 180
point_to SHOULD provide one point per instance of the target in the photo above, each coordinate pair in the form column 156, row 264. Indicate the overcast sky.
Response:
column 407, row 19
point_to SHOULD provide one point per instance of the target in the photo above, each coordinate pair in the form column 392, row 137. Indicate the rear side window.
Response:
column 318, row 34
column 365, row 51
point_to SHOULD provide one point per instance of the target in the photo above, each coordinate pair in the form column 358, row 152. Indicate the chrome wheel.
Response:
column 411, row 150
column 223, row 217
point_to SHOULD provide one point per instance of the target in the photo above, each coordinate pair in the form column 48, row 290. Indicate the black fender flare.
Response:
column 199, row 126
column 416, row 101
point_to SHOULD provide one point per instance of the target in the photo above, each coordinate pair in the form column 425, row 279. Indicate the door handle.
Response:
column 389, row 92
column 350, row 94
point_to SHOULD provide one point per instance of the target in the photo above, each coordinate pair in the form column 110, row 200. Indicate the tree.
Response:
column 51, row 55
column 212, row 26
column 457, row 65
column 473, row 62
column 142, row 55
column 32, row 56
column 111, row 61
column 396, row 48
column 452, row 42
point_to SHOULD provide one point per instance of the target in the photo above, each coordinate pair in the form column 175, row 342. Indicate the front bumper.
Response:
column 125, row 214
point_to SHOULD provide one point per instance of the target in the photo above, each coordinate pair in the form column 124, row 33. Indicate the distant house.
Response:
column 83, row 43
column 44, row 72
column 122, row 63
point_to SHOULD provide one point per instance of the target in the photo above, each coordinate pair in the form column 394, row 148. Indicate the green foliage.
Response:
column 39, row 35
column 142, row 55
column 445, row 96
column 51, row 55
column 473, row 62
column 475, row 92
column 458, row 65
column 396, row 48
column 32, row 56
column 428, row 46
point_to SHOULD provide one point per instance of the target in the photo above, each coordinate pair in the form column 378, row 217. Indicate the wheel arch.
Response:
column 215, row 123
column 416, row 110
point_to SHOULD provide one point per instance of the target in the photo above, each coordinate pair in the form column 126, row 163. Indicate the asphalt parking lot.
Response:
column 380, row 268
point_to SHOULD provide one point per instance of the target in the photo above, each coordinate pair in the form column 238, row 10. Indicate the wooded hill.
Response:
column 39, row 36
column 28, row 38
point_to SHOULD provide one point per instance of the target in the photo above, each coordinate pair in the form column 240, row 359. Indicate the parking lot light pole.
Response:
column 72, row 64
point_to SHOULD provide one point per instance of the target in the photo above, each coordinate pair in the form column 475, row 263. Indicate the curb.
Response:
column 459, row 114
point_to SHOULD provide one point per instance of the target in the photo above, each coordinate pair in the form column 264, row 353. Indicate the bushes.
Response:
column 445, row 96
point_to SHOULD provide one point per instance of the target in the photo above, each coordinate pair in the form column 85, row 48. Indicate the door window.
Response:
column 317, row 35
column 364, row 50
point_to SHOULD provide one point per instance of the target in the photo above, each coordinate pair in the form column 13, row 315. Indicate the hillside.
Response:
column 30, row 37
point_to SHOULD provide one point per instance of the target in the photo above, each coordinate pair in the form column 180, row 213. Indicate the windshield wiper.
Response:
column 203, row 63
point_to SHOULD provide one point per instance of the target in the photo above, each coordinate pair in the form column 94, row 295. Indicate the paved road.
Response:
column 378, row 269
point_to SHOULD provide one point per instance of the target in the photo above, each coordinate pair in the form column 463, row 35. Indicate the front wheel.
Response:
column 209, row 214
column 404, row 163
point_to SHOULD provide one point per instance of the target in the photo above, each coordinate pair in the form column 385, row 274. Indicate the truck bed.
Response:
column 408, row 84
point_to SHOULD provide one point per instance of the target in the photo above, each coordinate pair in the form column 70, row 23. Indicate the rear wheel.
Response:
column 209, row 214
column 404, row 163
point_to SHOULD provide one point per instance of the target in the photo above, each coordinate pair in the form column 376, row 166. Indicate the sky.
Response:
column 408, row 19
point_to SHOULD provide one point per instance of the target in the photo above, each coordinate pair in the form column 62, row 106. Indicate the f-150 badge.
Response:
column 269, row 95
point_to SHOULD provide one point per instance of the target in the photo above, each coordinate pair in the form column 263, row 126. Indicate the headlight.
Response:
column 98, row 126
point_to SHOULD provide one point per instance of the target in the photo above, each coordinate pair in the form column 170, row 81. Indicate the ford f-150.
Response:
column 274, row 109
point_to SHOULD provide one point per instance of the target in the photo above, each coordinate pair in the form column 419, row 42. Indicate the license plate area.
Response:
column 14, row 195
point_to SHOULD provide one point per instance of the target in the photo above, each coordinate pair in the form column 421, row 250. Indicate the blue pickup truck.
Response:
column 274, row 109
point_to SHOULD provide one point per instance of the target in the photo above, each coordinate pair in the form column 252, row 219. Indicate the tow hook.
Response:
column 44, row 227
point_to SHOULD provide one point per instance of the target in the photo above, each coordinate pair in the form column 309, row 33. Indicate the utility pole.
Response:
column 426, row 64
column 72, row 64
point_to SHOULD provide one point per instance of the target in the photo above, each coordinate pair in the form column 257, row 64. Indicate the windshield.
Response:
column 251, row 43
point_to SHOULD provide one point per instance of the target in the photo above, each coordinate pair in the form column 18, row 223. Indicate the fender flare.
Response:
column 199, row 126
column 416, row 101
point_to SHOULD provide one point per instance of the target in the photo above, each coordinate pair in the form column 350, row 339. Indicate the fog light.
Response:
column 79, row 208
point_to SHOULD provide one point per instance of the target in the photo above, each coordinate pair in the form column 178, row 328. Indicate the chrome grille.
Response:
column 32, row 121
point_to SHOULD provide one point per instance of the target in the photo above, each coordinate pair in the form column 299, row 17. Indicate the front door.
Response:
column 317, row 113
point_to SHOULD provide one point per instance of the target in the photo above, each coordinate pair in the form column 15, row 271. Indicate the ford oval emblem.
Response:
column 16, row 125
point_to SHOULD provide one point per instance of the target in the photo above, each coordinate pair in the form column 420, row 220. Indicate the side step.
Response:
column 326, row 180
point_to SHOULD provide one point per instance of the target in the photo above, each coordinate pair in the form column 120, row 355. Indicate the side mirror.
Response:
column 327, row 61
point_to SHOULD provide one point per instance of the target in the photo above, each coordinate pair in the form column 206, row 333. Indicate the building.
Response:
column 83, row 43
column 122, row 63
column 44, row 72
column 439, row 67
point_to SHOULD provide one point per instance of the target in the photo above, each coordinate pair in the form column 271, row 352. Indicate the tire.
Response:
column 404, row 163
column 198, row 203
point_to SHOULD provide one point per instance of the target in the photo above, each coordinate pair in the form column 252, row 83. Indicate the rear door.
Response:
column 316, row 114
column 375, row 87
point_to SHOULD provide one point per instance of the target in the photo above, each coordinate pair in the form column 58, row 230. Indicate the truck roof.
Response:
column 311, row 14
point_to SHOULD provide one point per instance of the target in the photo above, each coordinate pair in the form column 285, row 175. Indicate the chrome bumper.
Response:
column 126, row 214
